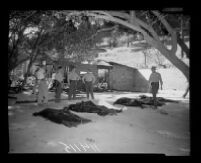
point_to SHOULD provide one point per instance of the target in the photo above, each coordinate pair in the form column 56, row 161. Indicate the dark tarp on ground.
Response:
column 59, row 116
column 142, row 101
column 69, row 119
column 90, row 107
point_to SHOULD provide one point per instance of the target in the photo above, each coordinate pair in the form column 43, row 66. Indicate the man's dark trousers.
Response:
column 89, row 89
column 72, row 89
column 58, row 91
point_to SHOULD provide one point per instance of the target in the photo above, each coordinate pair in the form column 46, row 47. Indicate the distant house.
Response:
column 121, row 77
column 124, row 78
column 82, row 68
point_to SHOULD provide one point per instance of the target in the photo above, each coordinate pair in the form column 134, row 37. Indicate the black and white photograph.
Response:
column 99, row 81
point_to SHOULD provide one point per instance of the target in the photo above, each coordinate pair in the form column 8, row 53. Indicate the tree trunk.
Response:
column 183, row 46
column 186, row 92
column 28, row 72
column 175, row 61
column 32, row 59
column 145, row 58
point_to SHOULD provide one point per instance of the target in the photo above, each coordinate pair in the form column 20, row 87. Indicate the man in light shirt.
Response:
column 39, row 74
column 73, row 77
column 154, row 80
column 89, row 79
column 59, row 79
column 43, row 92
column 36, row 81
column 43, row 86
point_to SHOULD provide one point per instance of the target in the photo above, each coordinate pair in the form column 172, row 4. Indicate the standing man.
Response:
column 59, row 79
column 154, row 80
column 43, row 86
column 53, row 81
column 40, row 74
column 43, row 92
column 36, row 74
column 73, row 77
column 89, row 79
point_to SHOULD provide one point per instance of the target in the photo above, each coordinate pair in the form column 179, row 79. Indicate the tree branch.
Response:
column 15, row 64
column 136, row 27
column 116, row 20
column 132, row 17
column 102, row 30
column 162, row 19
column 149, row 28
column 33, row 12
column 101, row 12
column 119, row 14
column 170, row 30
column 183, row 46
column 174, row 42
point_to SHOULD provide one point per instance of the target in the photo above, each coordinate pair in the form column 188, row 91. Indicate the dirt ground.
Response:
column 134, row 130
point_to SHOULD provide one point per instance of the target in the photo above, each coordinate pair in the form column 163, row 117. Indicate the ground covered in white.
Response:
column 134, row 130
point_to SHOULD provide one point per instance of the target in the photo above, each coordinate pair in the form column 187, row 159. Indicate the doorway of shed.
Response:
column 103, row 76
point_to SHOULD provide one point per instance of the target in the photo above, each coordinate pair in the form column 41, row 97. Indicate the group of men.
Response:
column 41, row 81
column 88, row 79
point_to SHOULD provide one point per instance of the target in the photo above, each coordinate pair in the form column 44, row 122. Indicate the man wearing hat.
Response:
column 89, row 79
column 43, row 86
column 73, row 78
column 59, row 79
column 154, row 80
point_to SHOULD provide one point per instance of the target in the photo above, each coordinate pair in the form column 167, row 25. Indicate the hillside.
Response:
column 127, row 56
column 172, row 77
